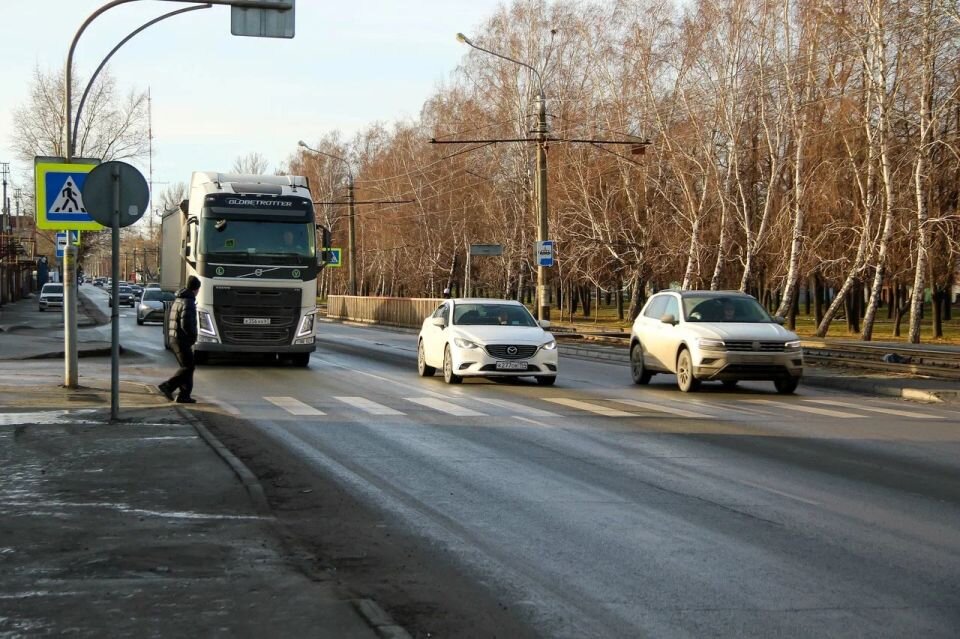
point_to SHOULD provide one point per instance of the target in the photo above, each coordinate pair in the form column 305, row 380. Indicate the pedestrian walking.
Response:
column 182, row 335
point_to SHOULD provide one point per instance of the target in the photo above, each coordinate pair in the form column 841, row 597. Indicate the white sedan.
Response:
column 719, row 336
column 484, row 337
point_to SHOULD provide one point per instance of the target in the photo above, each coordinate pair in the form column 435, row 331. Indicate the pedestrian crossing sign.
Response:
column 59, row 194
column 331, row 256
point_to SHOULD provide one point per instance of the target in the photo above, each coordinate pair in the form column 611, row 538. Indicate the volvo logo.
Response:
column 511, row 350
column 258, row 272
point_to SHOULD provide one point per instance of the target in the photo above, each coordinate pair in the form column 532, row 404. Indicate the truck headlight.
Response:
column 306, row 324
column 205, row 323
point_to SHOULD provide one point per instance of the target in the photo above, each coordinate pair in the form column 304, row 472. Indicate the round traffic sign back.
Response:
column 111, row 183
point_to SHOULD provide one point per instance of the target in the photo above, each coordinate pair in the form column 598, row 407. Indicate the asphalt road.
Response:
column 598, row 508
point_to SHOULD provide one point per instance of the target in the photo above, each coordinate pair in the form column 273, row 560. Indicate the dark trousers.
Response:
column 183, row 378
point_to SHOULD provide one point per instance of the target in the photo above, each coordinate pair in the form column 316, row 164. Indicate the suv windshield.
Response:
column 52, row 288
column 724, row 309
column 492, row 315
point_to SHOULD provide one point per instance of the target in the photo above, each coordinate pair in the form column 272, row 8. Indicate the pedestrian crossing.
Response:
column 465, row 405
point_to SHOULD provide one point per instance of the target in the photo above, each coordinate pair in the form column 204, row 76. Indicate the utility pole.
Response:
column 352, row 239
column 541, row 138
column 6, row 243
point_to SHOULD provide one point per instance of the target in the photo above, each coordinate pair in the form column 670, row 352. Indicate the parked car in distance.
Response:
column 721, row 336
column 152, row 285
column 51, row 296
column 150, row 308
column 125, row 297
column 486, row 337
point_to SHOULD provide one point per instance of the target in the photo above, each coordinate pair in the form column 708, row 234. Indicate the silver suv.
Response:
column 724, row 336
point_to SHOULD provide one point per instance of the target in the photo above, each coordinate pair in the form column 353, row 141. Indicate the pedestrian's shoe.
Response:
column 166, row 390
column 186, row 400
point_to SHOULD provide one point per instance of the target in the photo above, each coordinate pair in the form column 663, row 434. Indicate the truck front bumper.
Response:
column 217, row 347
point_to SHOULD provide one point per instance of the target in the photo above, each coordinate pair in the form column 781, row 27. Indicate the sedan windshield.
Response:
column 492, row 315
column 724, row 309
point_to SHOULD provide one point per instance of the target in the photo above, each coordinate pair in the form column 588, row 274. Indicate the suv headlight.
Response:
column 710, row 344
column 465, row 343
column 306, row 325
column 793, row 345
column 549, row 346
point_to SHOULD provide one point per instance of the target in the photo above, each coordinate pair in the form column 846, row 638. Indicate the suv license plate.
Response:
column 511, row 366
column 259, row 321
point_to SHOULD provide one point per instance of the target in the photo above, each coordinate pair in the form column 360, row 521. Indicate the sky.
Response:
column 216, row 96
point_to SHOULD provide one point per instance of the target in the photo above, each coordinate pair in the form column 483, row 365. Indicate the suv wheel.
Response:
column 786, row 385
column 638, row 371
column 685, row 379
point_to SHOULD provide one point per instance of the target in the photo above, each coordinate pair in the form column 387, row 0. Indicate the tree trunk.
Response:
column 620, row 300
column 636, row 295
column 586, row 300
column 817, row 299
column 936, row 300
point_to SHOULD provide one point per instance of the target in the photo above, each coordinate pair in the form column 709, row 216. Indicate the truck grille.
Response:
column 500, row 351
column 234, row 305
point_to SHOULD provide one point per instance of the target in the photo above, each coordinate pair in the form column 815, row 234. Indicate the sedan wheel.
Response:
column 685, row 379
column 422, row 368
column 448, row 375
column 546, row 380
column 787, row 385
column 638, row 371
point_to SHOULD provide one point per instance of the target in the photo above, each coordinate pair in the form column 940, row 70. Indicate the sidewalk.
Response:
column 145, row 528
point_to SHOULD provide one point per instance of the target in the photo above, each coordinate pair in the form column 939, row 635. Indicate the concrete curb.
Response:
column 377, row 618
column 90, row 352
column 250, row 482
column 872, row 388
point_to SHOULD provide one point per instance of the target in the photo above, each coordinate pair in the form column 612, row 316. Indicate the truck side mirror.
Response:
column 184, row 206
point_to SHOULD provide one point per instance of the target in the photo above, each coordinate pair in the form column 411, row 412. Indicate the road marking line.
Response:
column 590, row 408
column 367, row 406
column 780, row 492
column 445, row 407
column 661, row 409
column 807, row 409
column 294, row 406
column 872, row 409
column 519, row 408
column 532, row 421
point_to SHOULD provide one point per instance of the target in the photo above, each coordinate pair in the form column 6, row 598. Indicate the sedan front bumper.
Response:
column 477, row 362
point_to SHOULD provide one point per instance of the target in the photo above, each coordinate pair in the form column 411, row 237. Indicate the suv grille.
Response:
column 745, row 345
column 507, row 351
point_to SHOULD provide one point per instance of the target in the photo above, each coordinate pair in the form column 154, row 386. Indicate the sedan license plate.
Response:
column 258, row 321
column 511, row 366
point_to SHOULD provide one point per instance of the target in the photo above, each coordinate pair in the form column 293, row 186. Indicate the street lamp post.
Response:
column 351, row 219
column 543, row 299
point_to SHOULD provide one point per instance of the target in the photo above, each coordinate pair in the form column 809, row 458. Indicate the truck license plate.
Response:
column 511, row 366
column 259, row 321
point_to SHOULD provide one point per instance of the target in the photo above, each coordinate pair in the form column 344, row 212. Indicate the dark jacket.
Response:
column 182, row 323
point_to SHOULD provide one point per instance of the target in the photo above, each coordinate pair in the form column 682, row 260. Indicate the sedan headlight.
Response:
column 549, row 346
column 793, row 345
column 710, row 344
column 465, row 343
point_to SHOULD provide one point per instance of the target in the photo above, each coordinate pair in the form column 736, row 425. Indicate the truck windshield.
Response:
column 273, row 239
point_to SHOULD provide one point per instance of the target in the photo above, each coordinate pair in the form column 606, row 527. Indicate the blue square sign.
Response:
column 545, row 256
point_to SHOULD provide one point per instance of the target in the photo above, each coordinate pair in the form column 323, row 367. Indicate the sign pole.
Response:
column 115, row 299
column 70, row 314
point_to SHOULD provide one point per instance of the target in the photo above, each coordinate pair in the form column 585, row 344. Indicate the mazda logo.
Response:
column 511, row 350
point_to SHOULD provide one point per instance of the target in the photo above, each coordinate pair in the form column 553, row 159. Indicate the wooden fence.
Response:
column 407, row 312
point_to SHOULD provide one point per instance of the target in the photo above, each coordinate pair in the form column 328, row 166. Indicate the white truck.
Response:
column 252, row 242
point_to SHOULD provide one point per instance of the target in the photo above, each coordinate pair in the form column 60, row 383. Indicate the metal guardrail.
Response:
column 406, row 312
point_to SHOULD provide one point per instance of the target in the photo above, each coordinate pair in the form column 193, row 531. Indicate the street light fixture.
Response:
column 351, row 219
column 543, row 303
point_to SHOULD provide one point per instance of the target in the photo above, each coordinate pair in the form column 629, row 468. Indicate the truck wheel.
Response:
column 301, row 359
